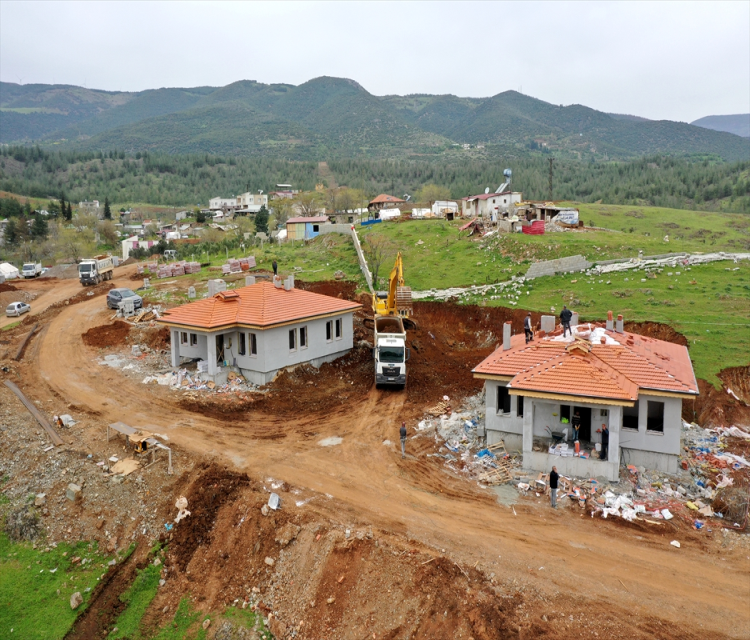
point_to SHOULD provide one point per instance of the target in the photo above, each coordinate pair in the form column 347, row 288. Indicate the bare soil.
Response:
column 400, row 547
column 108, row 335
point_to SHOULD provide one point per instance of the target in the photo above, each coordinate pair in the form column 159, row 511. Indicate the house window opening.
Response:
column 183, row 337
column 293, row 340
column 339, row 329
column 519, row 406
column 253, row 344
column 503, row 400
column 630, row 417
column 565, row 413
column 655, row 417
column 329, row 331
column 242, row 345
column 193, row 339
column 303, row 337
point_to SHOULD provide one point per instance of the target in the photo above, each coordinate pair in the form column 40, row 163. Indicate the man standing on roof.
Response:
column 402, row 433
column 527, row 328
column 553, row 478
column 565, row 317
column 275, row 267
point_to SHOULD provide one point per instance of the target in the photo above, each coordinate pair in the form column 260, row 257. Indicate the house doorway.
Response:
column 220, row 349
column 584, row 435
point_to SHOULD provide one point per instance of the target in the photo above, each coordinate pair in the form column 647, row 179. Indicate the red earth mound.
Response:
column 108, row 335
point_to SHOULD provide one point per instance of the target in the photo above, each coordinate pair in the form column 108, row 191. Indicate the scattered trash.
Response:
column 674, row 543
column 274, row 502
column 181, row 504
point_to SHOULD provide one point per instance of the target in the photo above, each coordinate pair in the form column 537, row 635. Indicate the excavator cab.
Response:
column 397, row 300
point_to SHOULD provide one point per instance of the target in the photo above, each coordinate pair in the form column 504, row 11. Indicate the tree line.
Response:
column 190, row 180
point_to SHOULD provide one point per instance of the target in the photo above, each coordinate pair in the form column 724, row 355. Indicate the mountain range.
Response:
column 738, row 124
column 337, row 118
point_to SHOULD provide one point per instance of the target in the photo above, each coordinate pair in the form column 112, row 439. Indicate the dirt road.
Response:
column 605, row 564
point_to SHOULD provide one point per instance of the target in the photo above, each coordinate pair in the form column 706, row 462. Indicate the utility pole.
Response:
column 551, row 160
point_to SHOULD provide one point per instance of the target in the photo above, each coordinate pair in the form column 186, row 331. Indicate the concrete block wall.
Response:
column 560, row 265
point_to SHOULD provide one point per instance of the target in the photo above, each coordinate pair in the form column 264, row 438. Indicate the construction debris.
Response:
column 181, row 504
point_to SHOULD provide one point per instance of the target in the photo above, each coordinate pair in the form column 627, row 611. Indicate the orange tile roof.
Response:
column 259, row 305
column 384, row 197
column 614, row 371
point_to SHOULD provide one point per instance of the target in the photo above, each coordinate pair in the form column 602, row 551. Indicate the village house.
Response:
column 631, row 383
column 305, row 228
column 214, row 204
column 490, row 206
column 260, row 329
column 384, row 201
column 250, row 202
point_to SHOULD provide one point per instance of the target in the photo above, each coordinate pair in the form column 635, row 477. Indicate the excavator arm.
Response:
column 398, row 300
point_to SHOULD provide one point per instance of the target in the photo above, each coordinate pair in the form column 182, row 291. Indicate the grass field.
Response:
column 35, row 587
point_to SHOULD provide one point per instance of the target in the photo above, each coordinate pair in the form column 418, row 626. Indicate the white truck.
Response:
column 31, row 269
column 390, row 352
column 96, row 270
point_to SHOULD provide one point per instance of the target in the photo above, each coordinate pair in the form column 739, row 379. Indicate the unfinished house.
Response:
column 260, row 329
column 633, row 384
column 491, row 207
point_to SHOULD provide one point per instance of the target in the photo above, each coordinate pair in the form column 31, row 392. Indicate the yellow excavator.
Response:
column 392, row 310
column 397, row 300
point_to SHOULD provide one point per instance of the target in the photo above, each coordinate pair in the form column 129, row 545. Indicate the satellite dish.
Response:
column 407, row 197
column 486, row 189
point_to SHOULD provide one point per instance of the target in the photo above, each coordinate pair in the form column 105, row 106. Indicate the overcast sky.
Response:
column 674, row 60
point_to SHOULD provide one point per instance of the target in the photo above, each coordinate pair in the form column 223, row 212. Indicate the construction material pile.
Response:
column 237, row 266
column 466, row 451
column 184, row 380
column 177, row 269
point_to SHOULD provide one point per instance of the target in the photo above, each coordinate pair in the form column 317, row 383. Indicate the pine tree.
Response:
column 261, row 220
column 68, row 212
column 107, row 210
column 39, row 228
column 11, row 232
column 200, row 217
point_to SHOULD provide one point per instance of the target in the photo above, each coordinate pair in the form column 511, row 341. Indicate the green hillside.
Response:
column 337, row 118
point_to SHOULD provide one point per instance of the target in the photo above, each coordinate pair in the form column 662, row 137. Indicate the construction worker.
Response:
column 605, row 442
column 402, row 433
column 275, row 267
column 527, row 328
column 565, row 317
column 576, row 421
column 553, row 478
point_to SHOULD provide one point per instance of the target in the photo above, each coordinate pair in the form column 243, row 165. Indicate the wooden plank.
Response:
column 53, row 435
column 19, row 353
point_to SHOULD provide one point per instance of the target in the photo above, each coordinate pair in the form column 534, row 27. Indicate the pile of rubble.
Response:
column 184, row 380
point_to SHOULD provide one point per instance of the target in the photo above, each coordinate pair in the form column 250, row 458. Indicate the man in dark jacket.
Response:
column 605, row 442
column 402, row 433
column 565, row 317
column 275, row 268
column 553, row 478
column 527, row 328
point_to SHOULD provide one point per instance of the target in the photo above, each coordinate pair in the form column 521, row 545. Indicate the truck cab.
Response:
column 390, row 351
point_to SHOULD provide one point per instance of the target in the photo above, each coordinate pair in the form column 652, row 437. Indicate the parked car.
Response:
column 116, row 296
column 17, row 309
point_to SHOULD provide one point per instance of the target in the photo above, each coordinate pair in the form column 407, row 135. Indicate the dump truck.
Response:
column 392, row 310
column 96, row 270
column 31, row 269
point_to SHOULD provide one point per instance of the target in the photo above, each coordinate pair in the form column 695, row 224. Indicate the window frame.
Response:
column 519, row 406
column 253, row 344
column 193, row 339
column 293, row 343
column 660, row 428
column 304, row 341
column 339, row 329
column 503, row 393
column 628, row 413
column 241, row 344
column 183, row 338
column 329, row 331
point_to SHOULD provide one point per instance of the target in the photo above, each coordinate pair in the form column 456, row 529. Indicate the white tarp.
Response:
column 8, row 270
column 390, row 214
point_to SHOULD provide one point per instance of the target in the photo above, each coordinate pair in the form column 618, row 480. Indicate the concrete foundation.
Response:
column 665, row 462
column 576, row 467
column 513, row 441
column 264, row 377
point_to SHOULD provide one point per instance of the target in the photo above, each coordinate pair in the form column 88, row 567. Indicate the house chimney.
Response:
column 574, row 319
column 277, row 282
column 506, row 336
column 249, row 280
column 610, row 322
column 619, row 324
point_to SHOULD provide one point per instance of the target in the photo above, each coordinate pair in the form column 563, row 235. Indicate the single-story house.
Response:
column 631, row 383
column 261, row 329
column 302, row 228
column 384, row 201
column 490, row 206
column 134, row 242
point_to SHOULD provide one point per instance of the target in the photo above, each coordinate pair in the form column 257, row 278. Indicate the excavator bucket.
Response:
column 403, row 301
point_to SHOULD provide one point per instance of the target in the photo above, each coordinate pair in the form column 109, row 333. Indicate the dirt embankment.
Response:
column 658, row 331
column 107, row 335
column 5, row 286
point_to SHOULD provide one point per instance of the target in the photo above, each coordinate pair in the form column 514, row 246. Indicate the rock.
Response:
column 76, row 600
column 347, row 534
column 112, row 545
column 100, row 524
column 277, row 627
column 40, row 500
column 118, row 479
column 206, row 623
column 287, row 533
column 73, row 492
column 157, row 562
column 331, row 600
column 269, row 561
column 265, row 510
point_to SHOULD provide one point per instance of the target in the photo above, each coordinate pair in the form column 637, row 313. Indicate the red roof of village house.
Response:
column 258, row 305
column 615, row 370
column 384, row 197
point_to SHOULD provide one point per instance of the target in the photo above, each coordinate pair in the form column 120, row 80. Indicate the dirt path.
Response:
column 365, row 481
